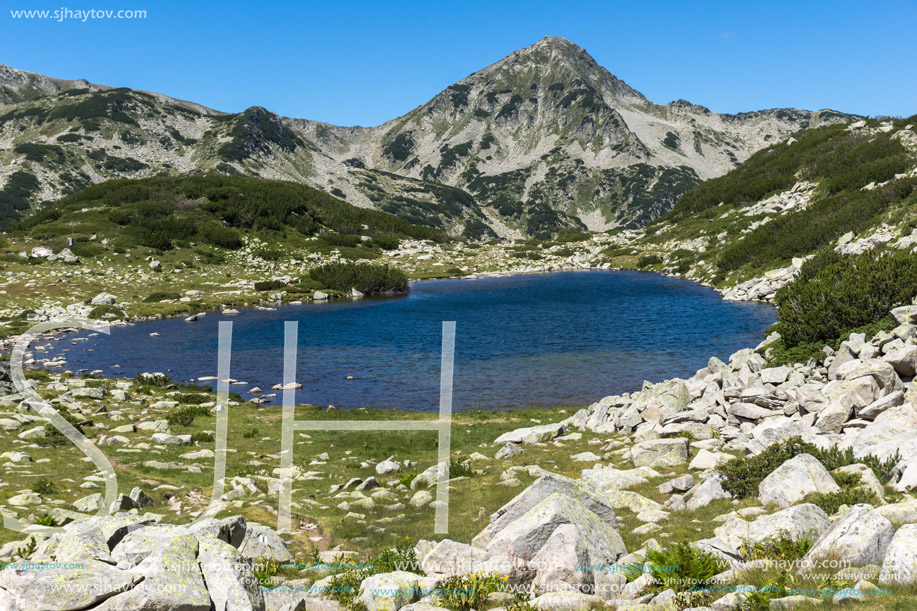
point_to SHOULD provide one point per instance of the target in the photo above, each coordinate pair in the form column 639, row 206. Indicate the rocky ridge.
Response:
column 541, row 141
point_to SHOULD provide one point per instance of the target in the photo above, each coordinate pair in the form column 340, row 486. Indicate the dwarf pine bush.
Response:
column 835, row 294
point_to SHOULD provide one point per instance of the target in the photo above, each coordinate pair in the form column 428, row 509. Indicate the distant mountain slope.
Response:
column 847, row 187
column 168, row 212
column 541, row 141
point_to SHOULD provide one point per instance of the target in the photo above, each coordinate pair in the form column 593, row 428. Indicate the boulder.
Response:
column 590, row 497
column 706, row 459
column 905, row 315
column 525, row 536
column 66, row 589
column 660, row 453
column 860, row 537
column 262, row 541
column 450, row 558
column 611, row 479
column 901, row 513
column 531, row 435
column 389, row 591
column 900, row 558
column 559, row 564
column 805, row 521
column 104, row 298
column 903, row 360
column 704, row 493
column 230, row 581
column 794, row 480
column 172, row 579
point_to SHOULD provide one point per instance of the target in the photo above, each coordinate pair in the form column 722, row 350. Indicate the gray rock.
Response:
column 104, row 298
column 860, row 537
column 900, row 558
column 230, row 582
column 660, row 453
column 531, row 435
column 704, row 493
column 387, row 466
column 389, row 591
column 805, row 521
column 88, row 393
column 679, row 484
column 139, row 499
column 449, row 558
column 904, row 361
column 171, row 440
column 590, row 496
column 262, row 541
column 525, row 536
column 65, row 589
column 172, row 580
column 794, row 479
column 508, row 451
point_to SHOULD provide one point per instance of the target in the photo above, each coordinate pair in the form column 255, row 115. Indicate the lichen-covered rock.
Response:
column 860, row 537
column 450, row 558
column 590, row 496
column 525, row 536
column 262, row 541
column 794, row 480
column 65, row 589
column 900, row 558
column 532, row 434
column 657, row 453
column 797, row 522
column 172, row 580
column 230, row 582
column 389, row 591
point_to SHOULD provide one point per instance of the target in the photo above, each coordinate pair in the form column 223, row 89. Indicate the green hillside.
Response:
column 214, row 211
column 860, row 183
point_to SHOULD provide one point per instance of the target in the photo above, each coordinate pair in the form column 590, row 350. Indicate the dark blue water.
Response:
column 562, row 339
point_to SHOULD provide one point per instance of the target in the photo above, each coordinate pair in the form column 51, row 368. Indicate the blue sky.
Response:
column 362, row 63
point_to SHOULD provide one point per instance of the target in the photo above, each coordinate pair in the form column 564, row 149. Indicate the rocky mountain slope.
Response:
column 541, row 141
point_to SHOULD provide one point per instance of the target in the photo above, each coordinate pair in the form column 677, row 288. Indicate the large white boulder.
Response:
column 805, row 521
column 658, row 453
column 389, row 591
column 901, row 558
column 792, row 481
column 858, row 538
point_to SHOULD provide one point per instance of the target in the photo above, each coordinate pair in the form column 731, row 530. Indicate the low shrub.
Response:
column 250, row 433
column 833, row 501
column 681, row 566
column 648, row 260
column 781, row 547
column 345, row 587
column 43, row 486
column 367, row 278
column 161, row 296
column 269, row 285
column 184, row 416
column 202, row 437
column 193, row 398
column 741, row 477
column 465, row 592
column 54, row 438
column 46, row 520
column 835, row 295
column 457, row 468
